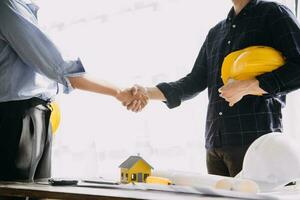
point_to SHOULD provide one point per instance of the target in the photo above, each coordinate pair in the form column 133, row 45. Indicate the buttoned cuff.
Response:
column 172, row 95
column 75, row 70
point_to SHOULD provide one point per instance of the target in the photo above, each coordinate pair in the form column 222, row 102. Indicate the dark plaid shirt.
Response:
column 259, row 23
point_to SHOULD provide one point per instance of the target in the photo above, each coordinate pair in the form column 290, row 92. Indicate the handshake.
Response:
column 134, row 98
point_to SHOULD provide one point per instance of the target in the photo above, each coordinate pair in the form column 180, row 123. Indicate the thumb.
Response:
column 134, row 90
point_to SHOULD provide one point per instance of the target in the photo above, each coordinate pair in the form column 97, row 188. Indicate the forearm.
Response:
column 155, row 94
column 91, row 85
column 282, row 80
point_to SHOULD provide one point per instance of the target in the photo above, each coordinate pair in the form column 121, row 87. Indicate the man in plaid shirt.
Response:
column 236, row 116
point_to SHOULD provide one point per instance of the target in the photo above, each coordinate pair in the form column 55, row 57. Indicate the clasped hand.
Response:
column 134, row 98
column 235, row 90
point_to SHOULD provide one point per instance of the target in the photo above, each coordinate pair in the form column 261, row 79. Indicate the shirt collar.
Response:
column 244, row 11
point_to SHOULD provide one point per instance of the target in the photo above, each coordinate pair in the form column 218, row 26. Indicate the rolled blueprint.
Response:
column 189, row 178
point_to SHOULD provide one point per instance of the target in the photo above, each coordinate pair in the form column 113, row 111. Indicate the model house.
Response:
column 135, row 169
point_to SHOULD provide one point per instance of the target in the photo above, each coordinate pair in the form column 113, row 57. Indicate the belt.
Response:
column 20, row 105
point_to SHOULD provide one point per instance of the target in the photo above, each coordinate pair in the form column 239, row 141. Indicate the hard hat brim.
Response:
column 265, row 186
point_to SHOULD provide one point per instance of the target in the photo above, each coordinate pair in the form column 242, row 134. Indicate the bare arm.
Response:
column 155, row 94
column 89, row 84
column 103, row 87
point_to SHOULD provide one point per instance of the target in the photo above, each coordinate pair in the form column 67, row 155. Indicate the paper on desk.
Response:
column 205, row 183
column 194, row 183
column 287, row 193
column 279, row 195
column 210, row 191
column 204, row 191
column 282, row 195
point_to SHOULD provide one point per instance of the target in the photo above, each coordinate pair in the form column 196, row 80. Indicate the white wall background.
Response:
column 127, row 42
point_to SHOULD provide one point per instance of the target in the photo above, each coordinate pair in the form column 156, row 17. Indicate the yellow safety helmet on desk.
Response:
column 250, row 62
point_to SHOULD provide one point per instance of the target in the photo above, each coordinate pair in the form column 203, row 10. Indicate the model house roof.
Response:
column 131, row 161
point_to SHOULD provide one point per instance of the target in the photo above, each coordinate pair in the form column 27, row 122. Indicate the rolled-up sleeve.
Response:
column 19, row 28
column 188, row 86
column 285, row 35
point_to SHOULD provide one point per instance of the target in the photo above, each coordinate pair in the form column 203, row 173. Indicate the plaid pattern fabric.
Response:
column 259, row 23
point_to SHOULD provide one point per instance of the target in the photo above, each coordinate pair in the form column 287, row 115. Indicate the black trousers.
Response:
column 25, row 140
column 225, row 161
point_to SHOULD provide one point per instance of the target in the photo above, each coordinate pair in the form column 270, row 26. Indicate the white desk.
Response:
column 17, row 189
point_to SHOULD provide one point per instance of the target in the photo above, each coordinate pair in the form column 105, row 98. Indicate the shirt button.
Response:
column 228, row 42
column 233, row 26
column 220, row 113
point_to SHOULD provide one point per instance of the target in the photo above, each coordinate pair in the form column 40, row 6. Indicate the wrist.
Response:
column 254, row 88
column 150, row 92
column 117, row 93
column 155, row 94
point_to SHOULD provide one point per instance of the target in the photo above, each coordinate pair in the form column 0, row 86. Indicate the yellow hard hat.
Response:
column 250, row 62
column 55, row 116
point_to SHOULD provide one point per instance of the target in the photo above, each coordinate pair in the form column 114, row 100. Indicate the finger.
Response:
column 144, row 98
column 140, row 108
column 234, row 100
column 126, row 103
column 225, row 88
column 231, row 94
column 229, row 85
column 225, row 95
column 227, row 98
column 137, row 106
column 134, row 108
column 220, row 89
column 129, row 106
column 144, row 102
column 233, row 103
column 132, row 105
column 134, row 90
column 143, row 105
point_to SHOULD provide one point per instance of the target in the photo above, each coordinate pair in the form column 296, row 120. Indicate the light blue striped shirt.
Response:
column 30, row 64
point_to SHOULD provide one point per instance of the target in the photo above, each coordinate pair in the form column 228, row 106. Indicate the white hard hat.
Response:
column 272, row 161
